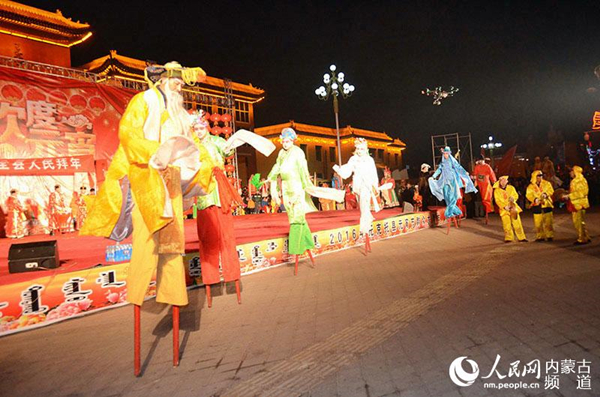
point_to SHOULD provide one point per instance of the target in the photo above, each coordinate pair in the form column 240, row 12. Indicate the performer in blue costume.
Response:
column 452, row 177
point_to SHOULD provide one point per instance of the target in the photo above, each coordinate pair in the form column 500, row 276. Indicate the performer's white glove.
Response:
column 336, row 168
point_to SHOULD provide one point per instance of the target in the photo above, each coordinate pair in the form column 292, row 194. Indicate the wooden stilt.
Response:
column 310, row 255
column 487, row 218
column 237, row 291
column 208, row 296
column 136, row 340
column 175, row 336
column 367, row 244
column 296, row 266
column 456, row 221
column 448, row 224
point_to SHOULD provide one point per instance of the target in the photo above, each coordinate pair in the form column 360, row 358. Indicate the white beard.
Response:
column 178, row 116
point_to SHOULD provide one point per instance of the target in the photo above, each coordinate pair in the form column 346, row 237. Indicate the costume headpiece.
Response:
column 503, row 177
column 361, row 143
column 190, row 76
column 425, row 167
column 288, row 133
column 447, row 150
column 577, row 169
column 198, row 117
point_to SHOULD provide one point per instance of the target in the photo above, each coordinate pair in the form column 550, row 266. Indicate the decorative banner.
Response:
column 55, row 297
column 47, row 166
column 596, row 121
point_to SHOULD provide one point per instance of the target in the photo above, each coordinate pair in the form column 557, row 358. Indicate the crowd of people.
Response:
column 25, row 217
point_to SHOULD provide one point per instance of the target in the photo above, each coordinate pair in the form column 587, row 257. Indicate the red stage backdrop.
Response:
column 52, row 130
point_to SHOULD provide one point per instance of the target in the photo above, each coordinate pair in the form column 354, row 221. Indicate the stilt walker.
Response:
column 364, row 184
column 155, row 166
column 216, row 237
column 292, row 170
column 446, row 182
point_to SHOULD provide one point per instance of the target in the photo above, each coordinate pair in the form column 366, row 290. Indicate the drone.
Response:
column 438, row 94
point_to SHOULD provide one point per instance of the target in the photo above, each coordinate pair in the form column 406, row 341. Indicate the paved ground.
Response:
column 389, row 324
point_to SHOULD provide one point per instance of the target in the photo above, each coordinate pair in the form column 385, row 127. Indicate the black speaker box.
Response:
column 28, row 257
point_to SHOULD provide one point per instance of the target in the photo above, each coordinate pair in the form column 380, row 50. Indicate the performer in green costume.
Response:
column 292, row 169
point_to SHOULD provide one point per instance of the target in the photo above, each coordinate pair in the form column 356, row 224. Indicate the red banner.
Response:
column 47, row 166
column 44, row 116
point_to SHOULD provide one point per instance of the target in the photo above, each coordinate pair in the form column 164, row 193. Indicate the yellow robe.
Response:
column 149, row 192
column 543, row 220
column 578, row 194
column 502, row 199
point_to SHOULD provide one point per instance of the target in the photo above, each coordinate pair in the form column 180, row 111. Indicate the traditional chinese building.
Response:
column 37, row 35
column 320, row 146
column 215, row 95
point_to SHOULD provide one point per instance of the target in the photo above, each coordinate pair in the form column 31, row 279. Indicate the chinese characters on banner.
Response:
column 47, row 166
column 596, row 121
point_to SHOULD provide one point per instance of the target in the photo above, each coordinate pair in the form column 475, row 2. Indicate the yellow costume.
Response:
column 158, row 239
column 506, row 198
column 540, row 197
column 578, row 192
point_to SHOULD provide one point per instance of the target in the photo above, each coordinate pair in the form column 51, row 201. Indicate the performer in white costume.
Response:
column 365, row 184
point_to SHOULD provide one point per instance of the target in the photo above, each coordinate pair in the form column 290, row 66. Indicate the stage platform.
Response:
column 85, row 282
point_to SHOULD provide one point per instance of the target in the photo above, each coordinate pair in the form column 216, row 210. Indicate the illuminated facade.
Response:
column 37, row 35
column 40, row 41
column 320, row 146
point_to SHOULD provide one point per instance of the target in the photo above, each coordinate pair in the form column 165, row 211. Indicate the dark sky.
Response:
column 521, row 66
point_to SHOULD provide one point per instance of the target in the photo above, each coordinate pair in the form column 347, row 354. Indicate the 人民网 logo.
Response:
column 461, row 377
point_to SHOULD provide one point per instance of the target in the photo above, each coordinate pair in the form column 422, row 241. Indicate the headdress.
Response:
column 425, row 167
column 190, row 76
column 361, row 143
column 288, row 133
column 447, row 150
column 198, row 117
column 577, row 169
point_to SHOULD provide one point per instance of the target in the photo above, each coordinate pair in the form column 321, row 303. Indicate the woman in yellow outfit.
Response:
column 578, row 195
column 539, row 193
column 506, row 197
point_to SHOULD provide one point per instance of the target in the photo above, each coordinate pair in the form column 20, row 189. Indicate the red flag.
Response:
column 503, row 166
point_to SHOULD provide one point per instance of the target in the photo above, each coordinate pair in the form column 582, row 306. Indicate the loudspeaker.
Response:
column 28, row 257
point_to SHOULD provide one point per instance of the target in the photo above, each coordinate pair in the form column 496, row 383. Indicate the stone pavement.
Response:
column 387, row 324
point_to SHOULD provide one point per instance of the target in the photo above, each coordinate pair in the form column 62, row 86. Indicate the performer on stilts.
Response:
column 15, row 216
column 214, row 220
column 446, row 182
column 364, row 184
column 291, row 168
column 486, row 178
column 144, row 189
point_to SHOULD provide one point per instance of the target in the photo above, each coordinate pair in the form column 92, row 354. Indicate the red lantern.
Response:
column 216, row 130
column 97, row 104
column 216, row 117
column 226, row 118
column 35, row 95
column 78, row 102
column 12, row 93
column 226, row 130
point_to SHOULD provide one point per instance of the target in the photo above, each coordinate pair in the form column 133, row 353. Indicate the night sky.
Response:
column 521, row 67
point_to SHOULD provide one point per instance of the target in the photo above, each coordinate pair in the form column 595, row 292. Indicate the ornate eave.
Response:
column 32, row 23
column 116, row 64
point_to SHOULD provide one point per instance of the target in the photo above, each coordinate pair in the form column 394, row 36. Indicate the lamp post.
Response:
column 335, row 86
column 491, row 145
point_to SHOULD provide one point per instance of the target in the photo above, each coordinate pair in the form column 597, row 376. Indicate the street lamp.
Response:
column 491, row 145
column 335, row 86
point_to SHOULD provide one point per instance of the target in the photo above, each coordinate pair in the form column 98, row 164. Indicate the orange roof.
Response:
column 40, row 25
column 135, row 67
column 345, row 132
